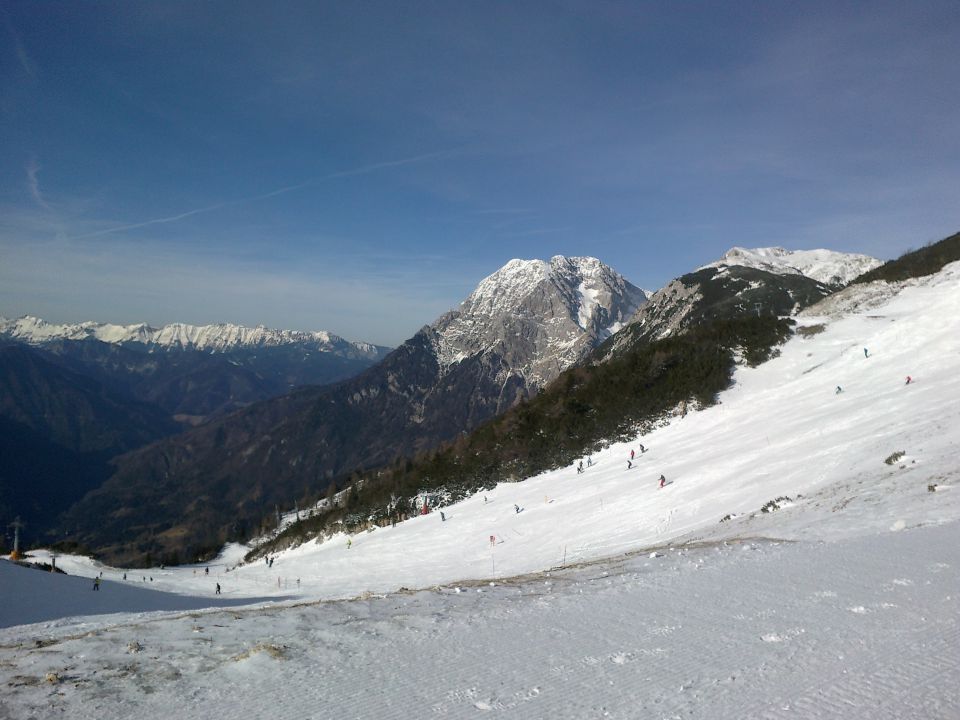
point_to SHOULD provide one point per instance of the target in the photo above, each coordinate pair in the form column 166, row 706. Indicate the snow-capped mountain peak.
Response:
column 826, row 266
column 586, row 284
column 542, row 316
column 506, row 288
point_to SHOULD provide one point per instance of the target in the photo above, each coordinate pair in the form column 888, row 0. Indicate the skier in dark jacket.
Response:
column 663, row 481
column 218, row 589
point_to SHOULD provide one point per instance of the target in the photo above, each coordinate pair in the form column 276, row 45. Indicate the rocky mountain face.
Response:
column 538, row 317
column 516, row 332
column 765, row 281
column 191, row 372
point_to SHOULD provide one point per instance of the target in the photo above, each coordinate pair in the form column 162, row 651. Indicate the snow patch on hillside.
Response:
column 588, row 301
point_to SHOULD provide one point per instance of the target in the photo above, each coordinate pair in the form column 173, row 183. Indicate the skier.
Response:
column 124, row 576
column 866, row 353
column 443, row 518
column 642, row 449
column 271, row 563
column 96, row 583
column 631, row 454
column 909, row 380
column 207, row 571
column 349, row 543
column 663, row 481
column 516, row 508
column 580, row 467
column 839, row 390
column 589, row 462
column 218, row 589
column 629, row 464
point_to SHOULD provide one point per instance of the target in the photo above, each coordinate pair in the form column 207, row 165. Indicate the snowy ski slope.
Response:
column 662, row 610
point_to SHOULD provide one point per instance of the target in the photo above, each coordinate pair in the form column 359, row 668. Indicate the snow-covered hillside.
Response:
column 826, row 266
column 801, row 561
column 215, row 338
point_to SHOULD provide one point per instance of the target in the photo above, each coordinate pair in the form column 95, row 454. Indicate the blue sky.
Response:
column 359, row 166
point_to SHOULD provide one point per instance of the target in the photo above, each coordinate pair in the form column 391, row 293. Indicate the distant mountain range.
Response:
column 221, row 337
column 74, row 396
column 195, row 372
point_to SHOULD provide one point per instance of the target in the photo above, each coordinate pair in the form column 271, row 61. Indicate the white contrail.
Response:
column 273, row 193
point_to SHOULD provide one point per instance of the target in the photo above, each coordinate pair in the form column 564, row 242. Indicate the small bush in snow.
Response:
column 774, row 504
column 895, row 457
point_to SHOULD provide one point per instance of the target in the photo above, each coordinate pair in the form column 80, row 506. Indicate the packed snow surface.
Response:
column 801, row 561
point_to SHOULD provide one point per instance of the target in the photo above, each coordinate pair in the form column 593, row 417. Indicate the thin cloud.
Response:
column 363, row 170
column 29, row 67
column 33, row 182
column 504, row 211
column 538, row 231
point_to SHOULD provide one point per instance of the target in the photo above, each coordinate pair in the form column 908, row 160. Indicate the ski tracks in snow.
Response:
column 720, row 631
